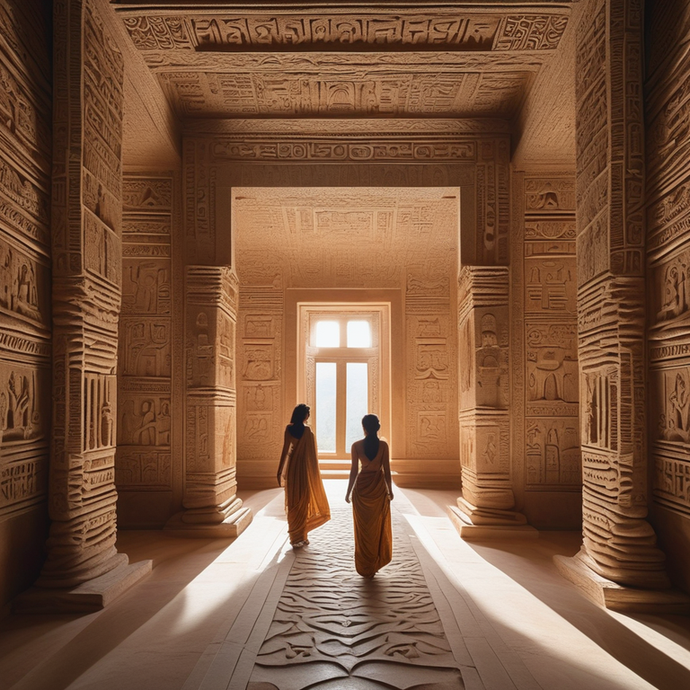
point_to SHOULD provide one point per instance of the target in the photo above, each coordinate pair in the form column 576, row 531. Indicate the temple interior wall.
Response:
column 25, row 288
column 545, row 397
column 668, row 279
column 511, row 363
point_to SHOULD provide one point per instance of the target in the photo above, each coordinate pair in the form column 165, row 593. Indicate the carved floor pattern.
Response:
column 334, row 629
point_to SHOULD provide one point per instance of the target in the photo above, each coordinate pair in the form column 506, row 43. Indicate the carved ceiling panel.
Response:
column 343, row 237
column 396, row 93
column 311, row 62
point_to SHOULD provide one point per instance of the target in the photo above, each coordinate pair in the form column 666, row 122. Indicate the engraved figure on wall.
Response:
column 675, row 285
column 675, row 416
column 19, row 415
column 145, row 422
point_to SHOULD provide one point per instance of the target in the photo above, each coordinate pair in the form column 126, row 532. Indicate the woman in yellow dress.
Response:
column 305, row 498
column 371, row 491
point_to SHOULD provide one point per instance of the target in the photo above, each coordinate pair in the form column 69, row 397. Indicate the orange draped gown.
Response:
column 305, row 498
column 371, row 513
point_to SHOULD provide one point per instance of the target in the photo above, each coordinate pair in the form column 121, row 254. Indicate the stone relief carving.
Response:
column 396, row 94
column 23, row 283
column 147, row 194
column 146, row 347
column 146, row 286
column 618, row 542
column 142, row 469
column 552, row 370
column 359, row 150
column 22, row 406
column 553, row 452
column 473, row 32
column 338, row 638
column 144, row 420
column 88, row 81
column 145, row 396
column 550, row 285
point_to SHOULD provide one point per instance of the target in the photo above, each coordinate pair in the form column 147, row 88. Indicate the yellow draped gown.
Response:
column 305, row 498
column 371, row 512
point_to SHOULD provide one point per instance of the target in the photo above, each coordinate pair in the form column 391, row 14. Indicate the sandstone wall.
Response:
column 25, row 321
column 544, row 406
column 148, row 466
column 668, row 278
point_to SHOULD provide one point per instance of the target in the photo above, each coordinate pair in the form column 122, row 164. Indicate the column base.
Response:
column 611, row 595
column 90, row 596
column 470, row 531
column 231, row 527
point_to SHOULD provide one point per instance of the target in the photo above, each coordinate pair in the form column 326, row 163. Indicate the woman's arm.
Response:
column 386, row 464
column 283, row 455
column 353, row 472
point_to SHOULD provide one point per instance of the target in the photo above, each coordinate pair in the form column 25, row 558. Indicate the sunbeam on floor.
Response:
column 252, row 613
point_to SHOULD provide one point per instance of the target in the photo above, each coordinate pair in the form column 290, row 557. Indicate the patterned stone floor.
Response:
column 330, row 624
column 253, row 614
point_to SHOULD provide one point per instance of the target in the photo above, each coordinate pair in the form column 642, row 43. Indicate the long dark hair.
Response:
column 371, row 424
column 299, row 414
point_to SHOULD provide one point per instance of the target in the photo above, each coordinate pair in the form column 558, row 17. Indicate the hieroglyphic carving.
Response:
column 25, row 319
column 199, row 200
column 552, row 372
column 487, row 495
column 261, row 336
column 144, row 453
column 667, row 215
column 226, row 148
column 492, row 202
column 146, row 286
column 610, row 182
column 24, row 283
column 87, row 191
column 551, row 428
column 443, row 94
column 211, row 401
column 430, row 408
column 553, row 452
column 298, row 32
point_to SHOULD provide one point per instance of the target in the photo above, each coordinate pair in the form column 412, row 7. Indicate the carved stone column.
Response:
column 83, row 569
column 210, row 496
column 487, row 505
column 619, row 559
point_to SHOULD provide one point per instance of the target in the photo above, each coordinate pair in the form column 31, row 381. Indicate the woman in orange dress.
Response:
column 371, row 491
column 305, row 498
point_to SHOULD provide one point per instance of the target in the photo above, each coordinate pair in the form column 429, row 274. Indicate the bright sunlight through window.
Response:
column 327, row 334
column 358, row 334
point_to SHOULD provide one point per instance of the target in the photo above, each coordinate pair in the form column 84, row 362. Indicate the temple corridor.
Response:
column 253, row 613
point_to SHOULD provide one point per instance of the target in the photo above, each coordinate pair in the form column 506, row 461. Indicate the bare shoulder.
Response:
column 383, row 442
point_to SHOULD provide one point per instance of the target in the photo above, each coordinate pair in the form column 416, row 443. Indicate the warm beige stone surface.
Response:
column 522, row 624
column 25, row 330
column 667, row 272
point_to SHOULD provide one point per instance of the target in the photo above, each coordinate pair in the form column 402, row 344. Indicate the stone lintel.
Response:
column 611, row 595
column 90, row 596
column 230, row 528
column 471, row 532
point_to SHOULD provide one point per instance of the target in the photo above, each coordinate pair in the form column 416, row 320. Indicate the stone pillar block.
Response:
column 487, row 505
column 210, row 501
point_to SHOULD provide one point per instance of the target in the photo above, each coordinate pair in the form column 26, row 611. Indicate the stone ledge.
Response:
column 90, row 596
column 611, row 595
column 230, row 528
column 472, row 532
